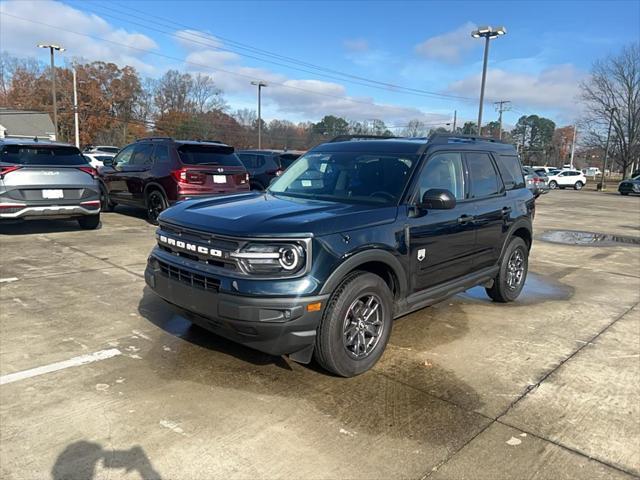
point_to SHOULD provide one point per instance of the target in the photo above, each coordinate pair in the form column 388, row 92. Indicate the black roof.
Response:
column 272, row 151
column 412, row 145
column 182, row 142
column 32, row 141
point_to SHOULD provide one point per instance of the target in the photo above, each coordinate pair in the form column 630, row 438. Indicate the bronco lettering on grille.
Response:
column 189, row 247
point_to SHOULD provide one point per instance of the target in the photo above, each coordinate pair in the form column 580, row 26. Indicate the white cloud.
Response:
column 20, row 37
column 555, row 88
column 448, row 47
column 196, row 40
column 356, row 45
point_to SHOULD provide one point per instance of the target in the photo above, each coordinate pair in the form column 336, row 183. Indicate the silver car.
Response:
column 47, row 180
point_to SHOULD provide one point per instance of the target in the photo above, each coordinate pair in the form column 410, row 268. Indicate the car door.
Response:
column 139, row 171
column 114, row 176
column 565, row 178
column 491, row 207
column 441, row 242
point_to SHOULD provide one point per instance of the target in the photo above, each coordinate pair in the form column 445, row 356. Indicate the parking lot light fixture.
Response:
column 488, row 33
column 52, row 48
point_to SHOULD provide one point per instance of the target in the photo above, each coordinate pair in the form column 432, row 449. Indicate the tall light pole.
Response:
column 611, row 111
column 75, row 109
column 52, row 48
column 573, row 144
column 487, row 33
column 259, row 84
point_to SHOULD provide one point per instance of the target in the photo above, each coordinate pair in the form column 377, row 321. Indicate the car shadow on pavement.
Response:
column 79, row 461
column 28, row 227
column 158, row 312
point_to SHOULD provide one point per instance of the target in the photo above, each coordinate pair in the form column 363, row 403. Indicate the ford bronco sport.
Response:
column 353, row 235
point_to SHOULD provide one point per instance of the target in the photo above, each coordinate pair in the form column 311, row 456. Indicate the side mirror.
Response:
column 108, row 162
column 438, row 199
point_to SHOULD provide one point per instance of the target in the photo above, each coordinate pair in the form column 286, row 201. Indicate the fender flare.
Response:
column 518, row 224
column 361, row 258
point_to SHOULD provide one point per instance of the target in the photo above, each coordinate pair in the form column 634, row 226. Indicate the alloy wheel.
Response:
column 363, row 326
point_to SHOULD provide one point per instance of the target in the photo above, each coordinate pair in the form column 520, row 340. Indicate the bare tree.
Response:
column 205, row 96
column 613, row 92
column 415, row 128
column 172, row 92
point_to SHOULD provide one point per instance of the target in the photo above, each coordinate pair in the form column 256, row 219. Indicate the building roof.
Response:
column 25, row 123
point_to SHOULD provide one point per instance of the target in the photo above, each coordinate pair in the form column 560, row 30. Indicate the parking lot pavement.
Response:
column 100, row 379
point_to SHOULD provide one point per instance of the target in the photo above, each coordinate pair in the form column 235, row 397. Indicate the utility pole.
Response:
column 75, row 109
column 455, row 119
column 500, row 107
column 52, row 48
column 611, row 111
column 259, row 84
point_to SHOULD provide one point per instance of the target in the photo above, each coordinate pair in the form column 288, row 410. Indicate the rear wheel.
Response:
column 578, row 185
column 89, row 222
column 155, row 203
column 356, row 325
column 512, row 274
column 624, row 193
column 553, row 184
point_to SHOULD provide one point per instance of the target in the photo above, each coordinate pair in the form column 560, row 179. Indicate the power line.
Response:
column 194, row 32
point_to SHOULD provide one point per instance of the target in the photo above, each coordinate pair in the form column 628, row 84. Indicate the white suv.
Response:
column 567, row 178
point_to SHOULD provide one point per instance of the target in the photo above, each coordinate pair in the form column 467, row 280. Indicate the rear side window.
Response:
column 251, row 160
column 208, row 155
column 142, row 154
column 511, row 171
column 161, row 154
column 483, row 175
column 41, row 155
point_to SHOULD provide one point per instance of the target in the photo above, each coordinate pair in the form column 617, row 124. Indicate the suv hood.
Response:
column 256, row 214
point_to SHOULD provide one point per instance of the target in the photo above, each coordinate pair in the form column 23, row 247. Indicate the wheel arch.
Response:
column 378, row 262
column 155, row 186
column 520, row 229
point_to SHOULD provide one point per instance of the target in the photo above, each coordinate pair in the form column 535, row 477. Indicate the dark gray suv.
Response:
column 47, row 180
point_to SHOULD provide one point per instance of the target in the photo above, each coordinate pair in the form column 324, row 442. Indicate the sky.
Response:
column 392, row 60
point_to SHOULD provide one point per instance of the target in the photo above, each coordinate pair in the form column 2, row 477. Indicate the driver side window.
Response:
column 444, row 171
column 124, row 157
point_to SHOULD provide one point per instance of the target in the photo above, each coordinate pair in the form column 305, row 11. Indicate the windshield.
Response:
column 42, row 155
column 349, row 177
column 208, row 155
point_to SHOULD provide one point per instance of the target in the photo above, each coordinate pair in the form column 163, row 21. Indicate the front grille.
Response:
column 203, row 282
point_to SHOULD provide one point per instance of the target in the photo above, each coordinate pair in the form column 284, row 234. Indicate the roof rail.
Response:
column 207, row 140
column 146, row 139
column 346, row 138
column 440, row 138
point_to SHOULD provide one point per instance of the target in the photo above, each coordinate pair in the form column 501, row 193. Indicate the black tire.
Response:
column 624, row 193
column 553, row 184
column 332, row 351
column 501, row 290
column 155, row 203
column 578, row 185
column 89, row 222
column 106, row 205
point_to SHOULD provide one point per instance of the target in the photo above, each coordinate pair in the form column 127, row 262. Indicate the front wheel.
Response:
column 624, row 193
column 578, row 186
column 553, row 184
column 156, row 204
column 356, row 325
column 512, row 273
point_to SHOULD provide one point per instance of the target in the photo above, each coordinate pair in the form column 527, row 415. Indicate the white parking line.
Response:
column 54, row 367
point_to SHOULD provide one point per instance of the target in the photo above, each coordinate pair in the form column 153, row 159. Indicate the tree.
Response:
column 331, row 126
column 469, row 128
column 415, row 128
column 613, row 92
column 205, row 96
column 172, row 92
column 534, row 135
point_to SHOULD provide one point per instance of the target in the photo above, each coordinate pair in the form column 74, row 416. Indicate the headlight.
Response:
column 271, row 258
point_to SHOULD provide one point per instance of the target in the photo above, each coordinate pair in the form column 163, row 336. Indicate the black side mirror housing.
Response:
column 437, row 199
column 108, row 162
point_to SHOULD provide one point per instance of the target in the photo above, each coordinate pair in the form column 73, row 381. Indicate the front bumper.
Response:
column 276, row 326
column 23, row 210
column 628, row 188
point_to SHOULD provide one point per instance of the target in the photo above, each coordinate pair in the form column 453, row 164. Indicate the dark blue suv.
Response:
column 356, row 233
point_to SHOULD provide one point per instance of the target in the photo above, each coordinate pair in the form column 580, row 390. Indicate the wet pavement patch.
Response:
column 537, row 288
column 587, row 239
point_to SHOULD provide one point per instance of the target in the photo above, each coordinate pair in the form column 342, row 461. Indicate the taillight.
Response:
column 8, row 169
column 184, row 175
column 90, row 170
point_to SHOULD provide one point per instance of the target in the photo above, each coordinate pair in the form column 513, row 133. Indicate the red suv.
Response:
column 155, row 172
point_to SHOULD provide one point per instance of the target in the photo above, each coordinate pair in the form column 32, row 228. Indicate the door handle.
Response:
column 506, row 211
column 466, row 218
